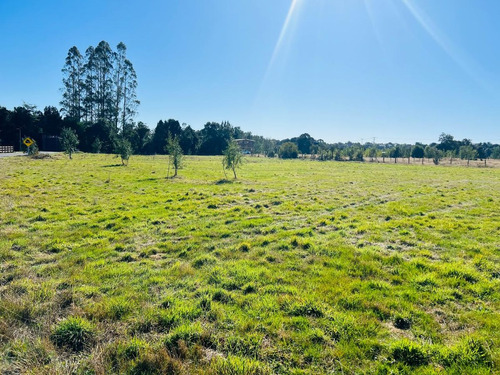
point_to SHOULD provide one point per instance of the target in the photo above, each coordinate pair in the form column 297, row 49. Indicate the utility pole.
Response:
column 20, row 140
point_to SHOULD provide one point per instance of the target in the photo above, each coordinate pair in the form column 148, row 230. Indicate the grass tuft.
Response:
column 409, row 353
column 74, row 333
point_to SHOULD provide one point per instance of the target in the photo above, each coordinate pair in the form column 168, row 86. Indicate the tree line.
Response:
column 45, row 127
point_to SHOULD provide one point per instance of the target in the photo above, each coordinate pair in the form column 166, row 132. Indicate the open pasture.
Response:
column 297, row 267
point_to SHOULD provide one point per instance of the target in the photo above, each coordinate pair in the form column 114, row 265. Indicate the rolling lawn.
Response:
column 297, row 267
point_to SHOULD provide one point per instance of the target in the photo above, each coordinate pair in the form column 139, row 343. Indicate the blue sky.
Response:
column 397, row 70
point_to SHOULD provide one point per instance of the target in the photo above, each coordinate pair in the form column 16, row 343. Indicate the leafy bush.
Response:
column 74, row 333
column 33, row 149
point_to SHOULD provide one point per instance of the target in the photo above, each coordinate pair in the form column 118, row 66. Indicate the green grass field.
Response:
column 297, row 267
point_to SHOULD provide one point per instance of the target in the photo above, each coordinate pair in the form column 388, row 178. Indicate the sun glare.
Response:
column 284, row 30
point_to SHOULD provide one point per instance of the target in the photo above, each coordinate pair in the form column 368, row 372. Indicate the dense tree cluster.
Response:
column 26, row 121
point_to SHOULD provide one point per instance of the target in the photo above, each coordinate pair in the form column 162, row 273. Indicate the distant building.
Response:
column 246, row 145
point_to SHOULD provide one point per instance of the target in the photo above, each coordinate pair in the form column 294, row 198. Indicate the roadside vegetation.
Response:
column 296, row 267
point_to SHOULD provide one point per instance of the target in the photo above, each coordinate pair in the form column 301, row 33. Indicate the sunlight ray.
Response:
column 283, row 33
column 284, row 38
column 376, row 30
column 441, row 40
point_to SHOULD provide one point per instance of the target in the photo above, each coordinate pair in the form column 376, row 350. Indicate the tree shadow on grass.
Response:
column 223, row 181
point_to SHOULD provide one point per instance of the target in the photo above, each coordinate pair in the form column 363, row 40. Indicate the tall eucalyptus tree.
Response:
column 100, row 87
column 73, row 84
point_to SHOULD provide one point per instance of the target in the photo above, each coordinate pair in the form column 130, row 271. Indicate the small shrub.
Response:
column 69, row 141
column 124, row 149
column 33, row 150
column 74, row 333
